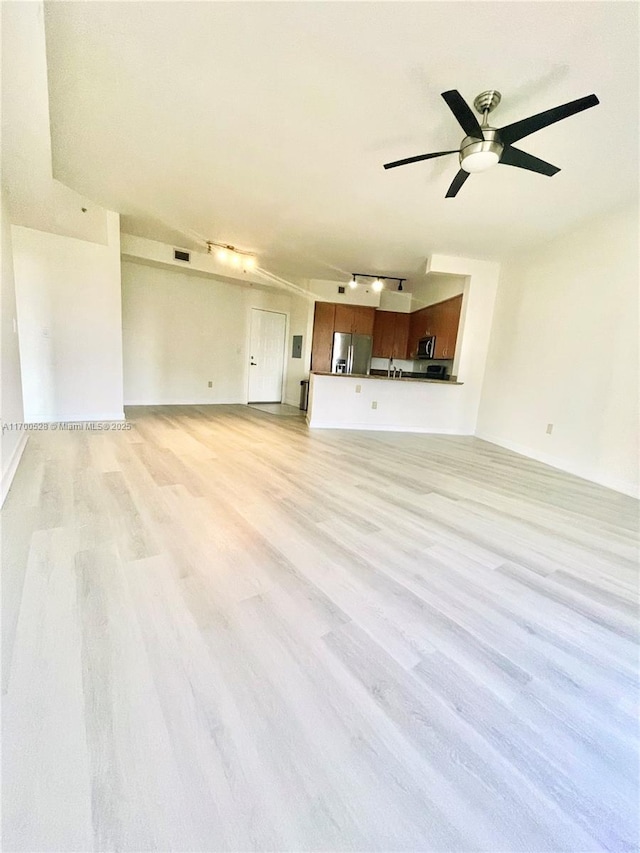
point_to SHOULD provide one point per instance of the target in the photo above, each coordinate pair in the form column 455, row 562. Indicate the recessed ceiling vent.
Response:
column 180, row 255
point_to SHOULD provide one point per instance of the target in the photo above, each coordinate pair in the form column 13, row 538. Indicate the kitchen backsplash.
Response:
column 407, row 366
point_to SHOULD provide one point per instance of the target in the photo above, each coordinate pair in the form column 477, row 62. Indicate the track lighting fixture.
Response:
column 230, row 255
column 378, row 280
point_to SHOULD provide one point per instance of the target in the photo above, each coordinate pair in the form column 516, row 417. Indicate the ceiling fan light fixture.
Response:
column 479, row 161
column 478, row 155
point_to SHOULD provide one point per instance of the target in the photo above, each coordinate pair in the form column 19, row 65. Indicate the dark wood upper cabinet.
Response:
column 401, row 335
column 418, row 324
column 395, row 335
column 363, row 319
column 441, row 320
column 383, row 334
column 344, row 318
column 390, row 334
column 454, row 309
column 446, row 322
column 354, row 319
column 322, row 344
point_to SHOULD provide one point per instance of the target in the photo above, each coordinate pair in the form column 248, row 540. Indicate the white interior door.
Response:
column 266, row 350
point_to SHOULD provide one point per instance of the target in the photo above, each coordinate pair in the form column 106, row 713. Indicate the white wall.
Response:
column 182, row 330
column 392, row 300
column 300, row 323
column 434, row 288
column 69, row 316
column 11, row 408
column 404, row 364
column 153, row 251
column 564, row 350
column 34, row 198
column 480, row 282
column 327, row 291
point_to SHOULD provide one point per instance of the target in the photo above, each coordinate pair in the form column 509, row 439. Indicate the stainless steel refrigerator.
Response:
column 351, row 353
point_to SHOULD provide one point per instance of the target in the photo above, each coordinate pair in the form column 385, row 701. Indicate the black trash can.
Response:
column 304, row 394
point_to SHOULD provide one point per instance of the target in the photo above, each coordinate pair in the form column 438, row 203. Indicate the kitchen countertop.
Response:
column 386, row 378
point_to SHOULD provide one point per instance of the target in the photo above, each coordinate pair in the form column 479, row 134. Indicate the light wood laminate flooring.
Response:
column 223, row 632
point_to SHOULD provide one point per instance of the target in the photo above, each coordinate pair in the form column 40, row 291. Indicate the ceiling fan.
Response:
column 485, row 146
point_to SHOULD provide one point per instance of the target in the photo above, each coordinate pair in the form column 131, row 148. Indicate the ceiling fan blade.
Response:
column 463, row 113
column 456, row 183
column 519, row 129
column 417, row 159
column 514, row 157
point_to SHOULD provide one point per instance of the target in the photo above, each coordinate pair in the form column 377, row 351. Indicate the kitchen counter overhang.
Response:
column 387, row 378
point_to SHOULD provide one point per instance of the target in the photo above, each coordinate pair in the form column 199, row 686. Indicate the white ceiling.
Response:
column 266, row 124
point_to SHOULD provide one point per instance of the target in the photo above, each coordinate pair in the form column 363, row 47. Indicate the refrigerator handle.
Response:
column 350, row 359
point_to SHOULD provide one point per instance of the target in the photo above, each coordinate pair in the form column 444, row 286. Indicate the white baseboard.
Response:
column 74, row 418
column 626, row 487
column 208, row 402
column 382, row 428
column 9, row 473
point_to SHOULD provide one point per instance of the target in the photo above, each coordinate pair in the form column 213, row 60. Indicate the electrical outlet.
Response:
column 358, row 389
column 374, row 404
column 210, row 384
column 549, row 429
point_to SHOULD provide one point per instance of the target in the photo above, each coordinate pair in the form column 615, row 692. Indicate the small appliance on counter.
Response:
column 427, row 347
column 436, row 371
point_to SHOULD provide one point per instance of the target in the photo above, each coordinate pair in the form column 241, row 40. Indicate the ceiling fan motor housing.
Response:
column 490, row 145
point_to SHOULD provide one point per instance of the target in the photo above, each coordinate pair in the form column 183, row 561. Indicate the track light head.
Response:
column 378, row 280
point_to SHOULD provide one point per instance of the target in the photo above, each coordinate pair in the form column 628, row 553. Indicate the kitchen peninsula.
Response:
column 339, row 401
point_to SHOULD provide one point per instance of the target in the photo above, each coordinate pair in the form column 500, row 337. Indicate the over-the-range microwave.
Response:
column 427, row 347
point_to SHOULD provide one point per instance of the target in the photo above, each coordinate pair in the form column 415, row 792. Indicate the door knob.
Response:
column 254, row 364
